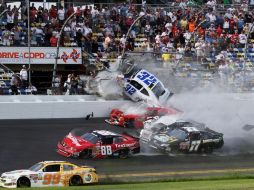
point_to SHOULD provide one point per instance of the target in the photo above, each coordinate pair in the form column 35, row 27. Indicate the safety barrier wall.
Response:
column 42, row 107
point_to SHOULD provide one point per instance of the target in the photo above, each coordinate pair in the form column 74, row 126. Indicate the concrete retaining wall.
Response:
column 39, row 107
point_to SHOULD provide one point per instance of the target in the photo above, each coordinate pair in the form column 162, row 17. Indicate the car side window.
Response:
column 136, row 84
column 52, row 168
column 194, row 136
column 108, row 140
column 118, row 139
column 144, row 91
column 68, row 167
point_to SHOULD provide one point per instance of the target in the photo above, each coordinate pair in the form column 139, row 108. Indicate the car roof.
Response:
column 105, row 133
column 142, row 82
column 55, row 162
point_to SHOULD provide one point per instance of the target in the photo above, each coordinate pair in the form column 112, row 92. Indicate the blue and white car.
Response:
column 144, row 86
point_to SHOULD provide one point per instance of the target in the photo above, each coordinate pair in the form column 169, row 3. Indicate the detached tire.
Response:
column 23, row 182
column 75, row 181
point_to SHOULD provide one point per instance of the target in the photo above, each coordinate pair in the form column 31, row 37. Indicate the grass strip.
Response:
column 224, row 184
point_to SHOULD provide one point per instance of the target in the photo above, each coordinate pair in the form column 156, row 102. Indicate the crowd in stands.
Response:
column 104, row 29
column 193, row 30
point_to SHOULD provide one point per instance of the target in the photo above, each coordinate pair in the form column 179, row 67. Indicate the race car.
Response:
column 98, row 144
column 171, row 135
column 49, row 173
column 144, row 86
column 119, row 118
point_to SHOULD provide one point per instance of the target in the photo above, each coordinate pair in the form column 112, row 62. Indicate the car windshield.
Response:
column 90, row 137
column 178, row 133
column 36, row 167
column 158, row 90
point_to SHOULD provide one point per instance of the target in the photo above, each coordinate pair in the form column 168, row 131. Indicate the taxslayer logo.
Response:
column 74, row 55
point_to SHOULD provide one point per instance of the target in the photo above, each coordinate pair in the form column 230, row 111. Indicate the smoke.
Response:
column 226, row 113
column 221, row 111
column 213, row 105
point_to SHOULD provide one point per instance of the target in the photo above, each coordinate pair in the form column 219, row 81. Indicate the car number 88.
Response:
column 106, row 150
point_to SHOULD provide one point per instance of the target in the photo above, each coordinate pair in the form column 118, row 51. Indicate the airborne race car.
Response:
column 49, row 173
column 170, row 135
column 98, row 144
column 144, row 86
column 119, row 118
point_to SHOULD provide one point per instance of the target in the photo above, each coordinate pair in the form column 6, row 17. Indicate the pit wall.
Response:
column 42, row 107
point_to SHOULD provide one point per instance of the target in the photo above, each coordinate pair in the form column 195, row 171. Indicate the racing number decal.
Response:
column 194, row 146
column 147, row 78
column 129, row 89
column 51, row 179
column 106, row 150
column 143, row 75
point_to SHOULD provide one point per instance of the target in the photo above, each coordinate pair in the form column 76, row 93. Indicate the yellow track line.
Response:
column 176, row 173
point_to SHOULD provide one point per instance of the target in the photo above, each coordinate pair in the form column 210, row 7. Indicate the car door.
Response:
column 107, row 148
column 51, row 176
column 195, row 141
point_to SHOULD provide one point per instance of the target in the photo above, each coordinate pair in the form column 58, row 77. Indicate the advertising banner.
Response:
column 40, row 55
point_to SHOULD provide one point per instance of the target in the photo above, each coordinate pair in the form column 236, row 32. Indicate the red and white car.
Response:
column 119, row 118
column 98, row 144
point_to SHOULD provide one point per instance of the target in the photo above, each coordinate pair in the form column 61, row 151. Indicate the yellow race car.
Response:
column 49, row 173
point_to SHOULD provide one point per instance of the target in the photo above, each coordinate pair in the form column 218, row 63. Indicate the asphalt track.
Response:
column 25, row 142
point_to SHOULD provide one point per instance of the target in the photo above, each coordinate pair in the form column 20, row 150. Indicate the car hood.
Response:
column 165, row 139
column 17, row 173
column 77, row 142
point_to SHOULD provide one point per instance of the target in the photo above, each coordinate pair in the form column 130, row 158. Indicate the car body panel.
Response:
column 43, row 177
column 103, row 144
column 119, row 118
column 144, row 86
column 180, row 136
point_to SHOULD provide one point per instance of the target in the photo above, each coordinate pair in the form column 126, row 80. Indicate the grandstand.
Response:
column 96, row 34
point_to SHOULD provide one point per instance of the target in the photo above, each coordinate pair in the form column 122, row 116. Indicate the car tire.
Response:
column 123, row 153
column 85, row 154
column 75, row 181
column 207, row 149
column 23, row 182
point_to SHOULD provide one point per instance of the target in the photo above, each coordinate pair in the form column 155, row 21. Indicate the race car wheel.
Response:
column 123, row 153
column 23, row 182
column 85, row 154
column 207, row 149
column 75, row 181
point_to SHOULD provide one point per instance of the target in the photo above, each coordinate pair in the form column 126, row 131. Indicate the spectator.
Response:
column 53, row 40
column 14, row 85
column 61, row 15
column 32, row 89
column 67, row 84
column 53, row 12
column 10, row 20
column 6, row 37
column 74, row 86
column 24, row 77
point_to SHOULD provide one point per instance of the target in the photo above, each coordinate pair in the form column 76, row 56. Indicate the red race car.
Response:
column 98, row 144
column 119, row 118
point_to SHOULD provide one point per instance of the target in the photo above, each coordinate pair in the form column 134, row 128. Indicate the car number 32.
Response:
column 147, row 78
column 106, row 150
column 129, row 89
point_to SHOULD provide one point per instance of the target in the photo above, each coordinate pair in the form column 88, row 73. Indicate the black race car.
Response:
column 181, row 136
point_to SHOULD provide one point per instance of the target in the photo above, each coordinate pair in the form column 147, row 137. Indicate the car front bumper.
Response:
column 8, row 183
